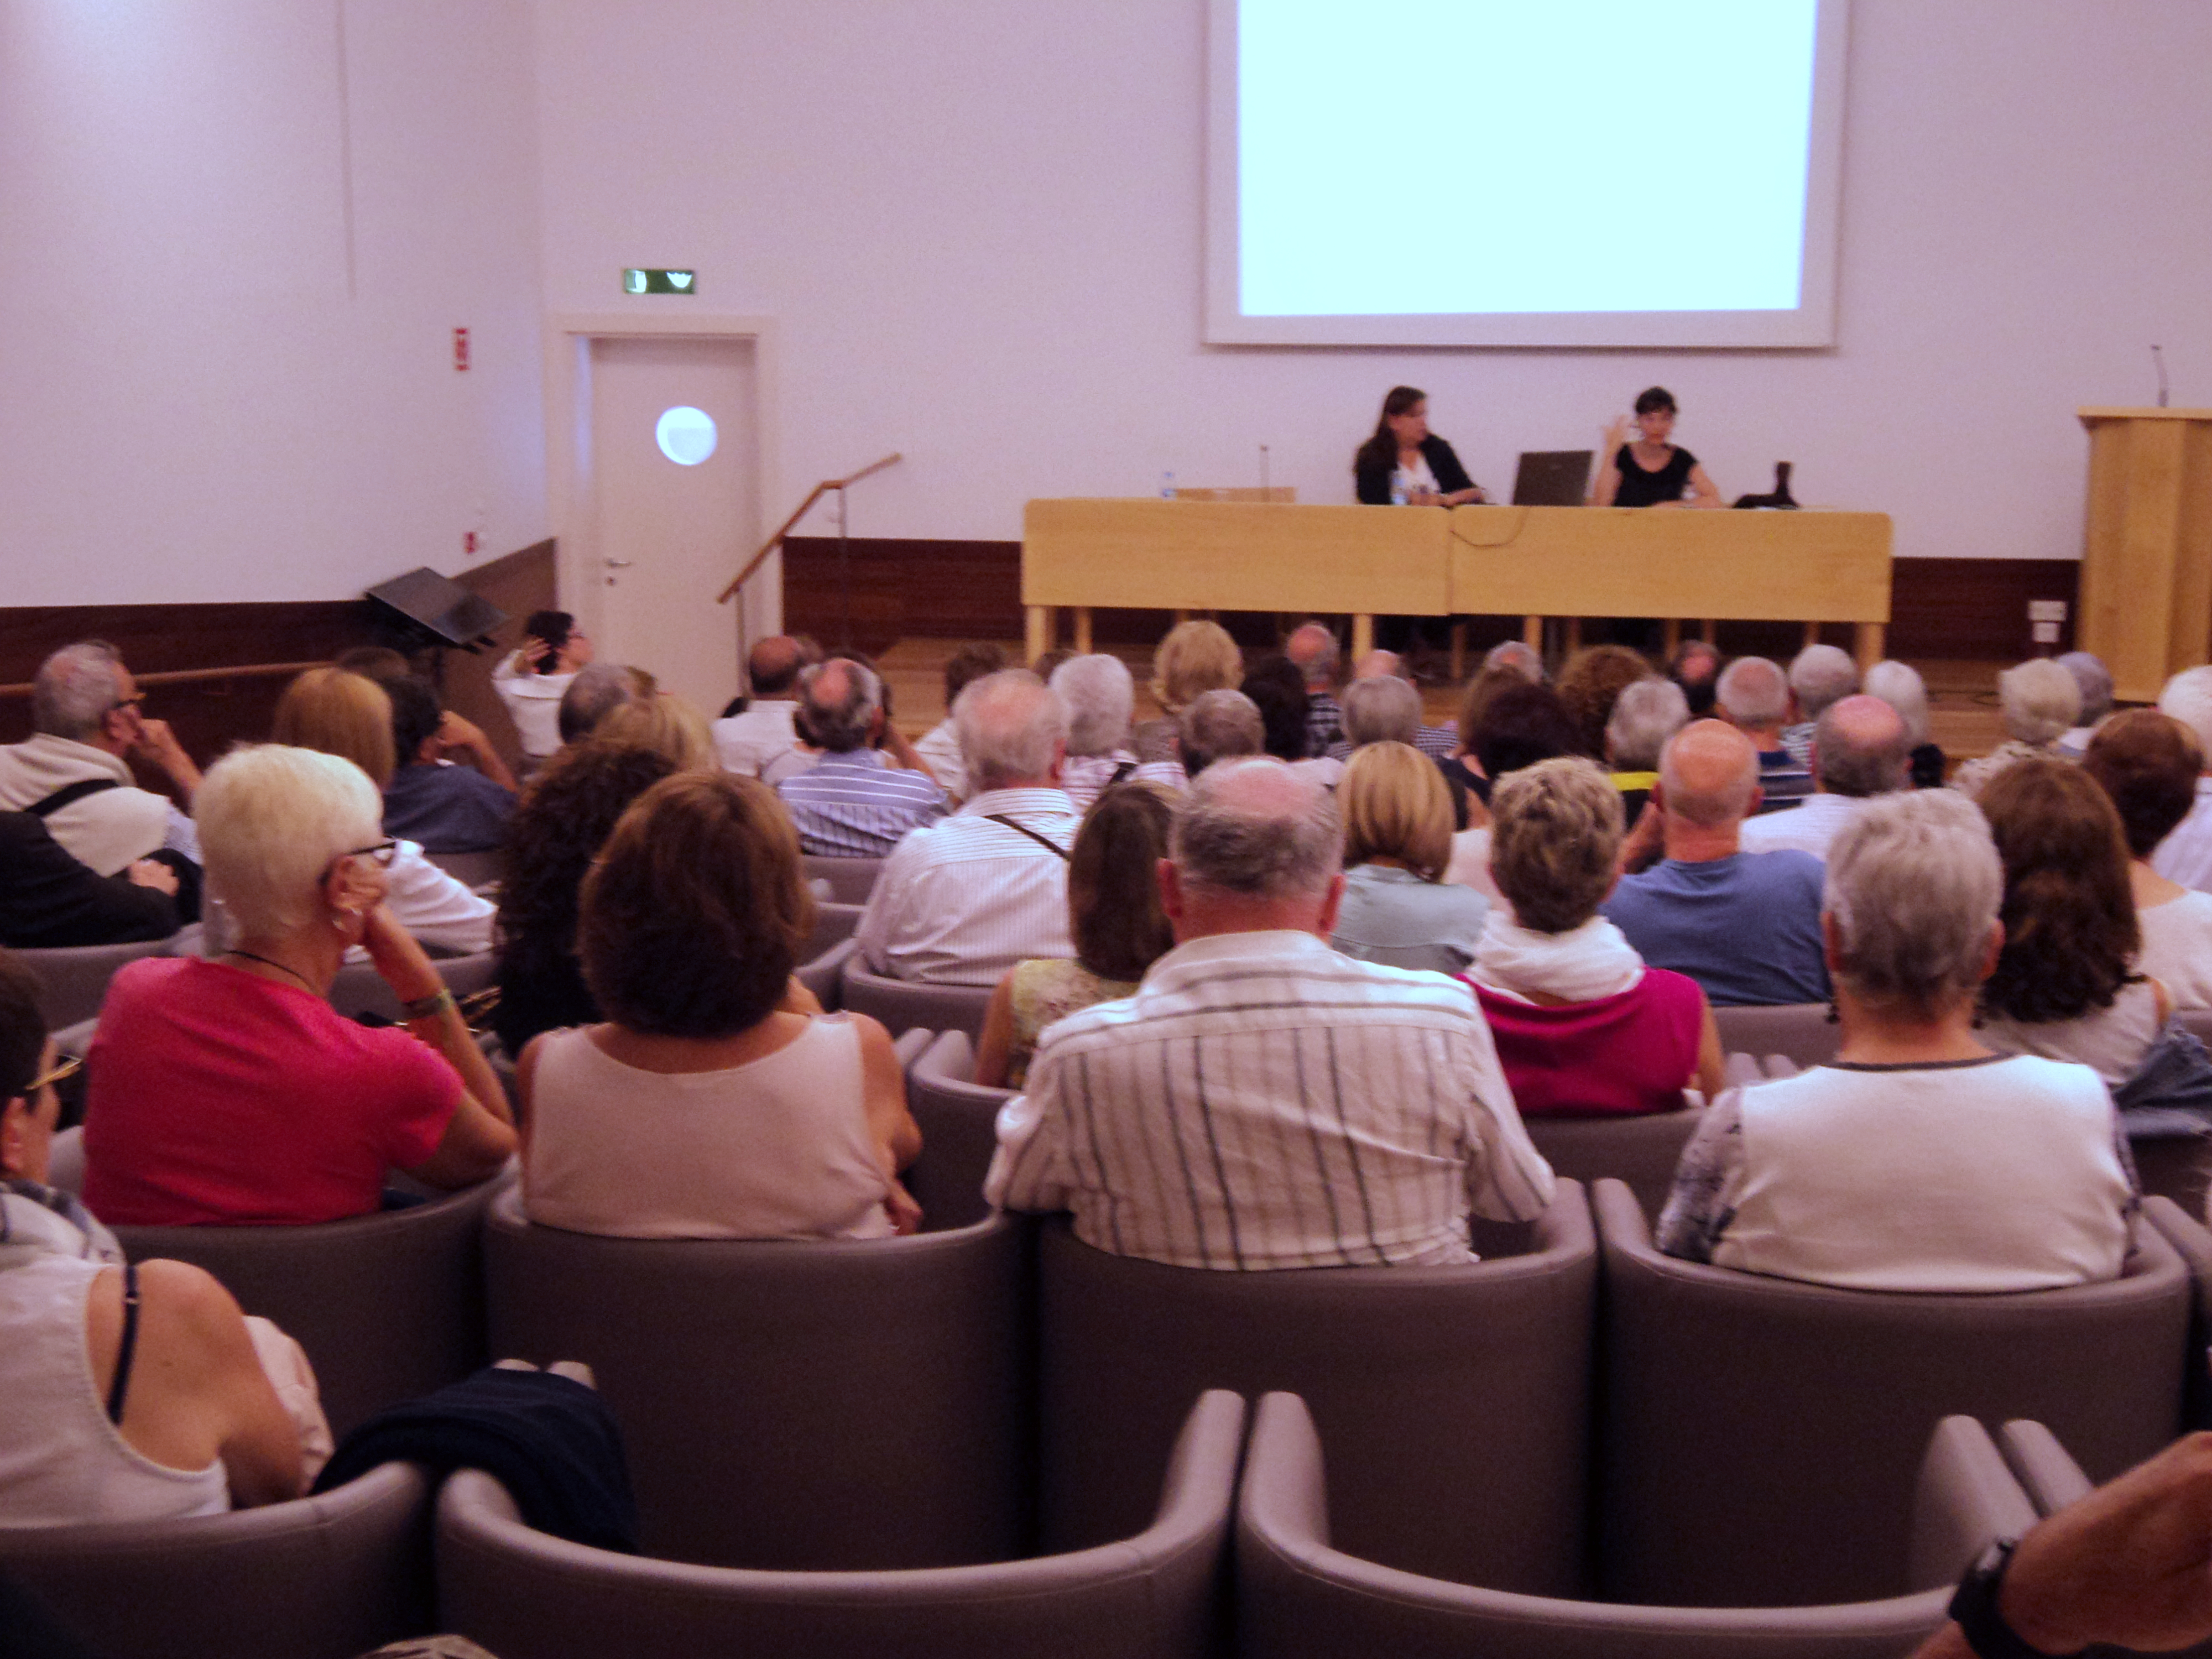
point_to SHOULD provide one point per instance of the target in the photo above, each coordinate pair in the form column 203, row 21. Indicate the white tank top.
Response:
column 777, row 1148
column 62, row 1462
column 2112, row 1042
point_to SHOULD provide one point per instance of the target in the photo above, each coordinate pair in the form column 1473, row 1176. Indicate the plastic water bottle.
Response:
column 1398, row 488
column 1167, row 486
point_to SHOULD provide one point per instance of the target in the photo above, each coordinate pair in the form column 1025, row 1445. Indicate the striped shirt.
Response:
column 1085, row 776
column 1436, row 742
column 851, row 806
column 1324, row 723
column 961, row 902
column 1262, row 1103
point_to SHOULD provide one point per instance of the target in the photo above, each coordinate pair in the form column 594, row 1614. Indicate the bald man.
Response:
column 1860, row 749
column 1313, row 648
column 1744, row 925
column 748, row 742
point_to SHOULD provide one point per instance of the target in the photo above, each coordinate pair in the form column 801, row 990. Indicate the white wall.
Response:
column 209, row 391
column 978, row 225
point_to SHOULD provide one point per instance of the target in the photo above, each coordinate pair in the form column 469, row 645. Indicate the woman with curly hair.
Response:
column 1592, row 682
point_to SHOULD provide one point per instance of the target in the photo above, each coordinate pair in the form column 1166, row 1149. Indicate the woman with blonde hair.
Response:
column 1397, row 909
column 1195, row 657
column 666, row 724
column 336, row 712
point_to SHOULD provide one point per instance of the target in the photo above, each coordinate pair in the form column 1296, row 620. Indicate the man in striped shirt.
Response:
column 1263, row 1101
column 851, row 805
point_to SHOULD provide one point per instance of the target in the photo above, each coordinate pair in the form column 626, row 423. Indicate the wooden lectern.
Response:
column 2146, row 597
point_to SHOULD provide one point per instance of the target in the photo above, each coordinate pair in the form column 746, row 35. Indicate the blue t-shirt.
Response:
column 449, row 808
column 1746, row 927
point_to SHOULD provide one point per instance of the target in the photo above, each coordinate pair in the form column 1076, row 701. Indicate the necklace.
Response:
column 269, row 962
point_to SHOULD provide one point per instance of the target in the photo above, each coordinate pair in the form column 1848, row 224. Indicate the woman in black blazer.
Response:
column 1406, row 463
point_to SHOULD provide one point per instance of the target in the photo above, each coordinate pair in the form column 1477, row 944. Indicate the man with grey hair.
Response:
column 1753, row 696
column 2185, row 855
column 597, row 689
column 2095, row 681
column 75, row 773
column 746, row 742
column 848, row 804
column 1436, row 742
column 1860, row 749
column 1100, row 697
column 1250, row 1108
column 1219, row 726
column 962, row 901
column 1312, row 646
column 1523, row 658
column 1644, row 715
column 1820, row 675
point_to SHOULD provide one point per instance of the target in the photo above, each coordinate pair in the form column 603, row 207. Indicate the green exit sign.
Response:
column 660, row 282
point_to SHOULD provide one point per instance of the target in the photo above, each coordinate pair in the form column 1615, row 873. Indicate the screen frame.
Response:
column 1810, row 326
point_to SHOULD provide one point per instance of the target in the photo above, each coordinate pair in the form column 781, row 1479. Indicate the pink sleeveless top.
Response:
column 1616, row 1056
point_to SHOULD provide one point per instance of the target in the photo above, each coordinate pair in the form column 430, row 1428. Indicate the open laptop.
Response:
column 1553, row 477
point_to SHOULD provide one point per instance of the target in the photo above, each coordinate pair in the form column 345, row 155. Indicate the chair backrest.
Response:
column 2193, row 1244
column 73, row 979
column 901, row 1004
column 850, row 879
column 958, row 1118
column 1640, row 1150
column 2175, row 1166
column 1438, row 1383
column 1155, row 1595
column 833, row 925
column 1803, row 1031
column 324, row 1577
column 360, row 989
column 388, row 1306
column 2046, row 1470
column 790, row 1403
column 1714, row 1492
column 1298, row 1596
column 469, row 869
column 824, row 976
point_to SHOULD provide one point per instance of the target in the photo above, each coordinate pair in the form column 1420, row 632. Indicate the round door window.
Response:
column 686, row 435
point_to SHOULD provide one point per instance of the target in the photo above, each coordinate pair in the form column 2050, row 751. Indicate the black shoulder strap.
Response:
column 1121, row 772
column 69, row 794
column 1041, row 841
column 128, row 1349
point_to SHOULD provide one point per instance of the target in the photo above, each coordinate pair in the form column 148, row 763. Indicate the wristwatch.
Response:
column 424, row 1007
column 1974, row 1607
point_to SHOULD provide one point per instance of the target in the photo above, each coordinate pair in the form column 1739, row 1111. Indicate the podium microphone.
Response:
column 2158, row 362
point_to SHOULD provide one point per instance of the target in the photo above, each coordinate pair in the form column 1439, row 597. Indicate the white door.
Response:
column 673, row 466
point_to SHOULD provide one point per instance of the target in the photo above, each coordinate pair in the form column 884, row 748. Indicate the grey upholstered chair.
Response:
column 73, row 979
column 1803, row 1031
column 792, row 1403
column 2193, row 1244
column 388, row 1306
column 1300, row 1598
column 475, row 869
column 824, row 975
column 959, row 1131
column 1640, row 1150
column 850, row 879
column 1760, row 1434
column 902, row 1005
column 360, row 989
column 1437, row 1381
column 833, row 923
column 324, row 1577
column 1155, row 1594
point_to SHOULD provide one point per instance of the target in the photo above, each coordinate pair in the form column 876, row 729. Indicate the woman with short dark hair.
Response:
column 1650, row 471
column 710, row 1104
column 2149, row 763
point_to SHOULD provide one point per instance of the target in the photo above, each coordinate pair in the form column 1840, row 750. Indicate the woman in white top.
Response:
column 1917, row 1159
column 2148, row 763
column 530, row 680
column 710, row 1105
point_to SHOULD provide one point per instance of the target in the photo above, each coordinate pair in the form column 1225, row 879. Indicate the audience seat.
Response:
column 902, row 1005
column 388, row 1306
column 2193, row 1244
column 1300, row 1598
column 824, row 975
column 1640, row 1150
column 1435, row 1383
column 1156, row 1595
column 360, row 989
column 1803, row 1031
column 792, row 1404
column 1715, row 1489
column 959, row 1119
column 850, row 879
column 471, row 870
column 73, row 980
column 833, row 925
column 324, row 1577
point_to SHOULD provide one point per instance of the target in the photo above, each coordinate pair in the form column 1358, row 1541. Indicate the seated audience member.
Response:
column 1899, row 685
column 531, row 680
column 1917, row 1159
column 1291, row 1057
column 1460, row 768
column 939, row 747
column 595, row 693
column 49, row 900
column 1380, row 708
column 1860, row 749
column 2185, row 856
column 849, row 804
column 962, row 901
column 2095, row 681
column 430, row 801
column 1590, row 683
column 766, row 1121
column 74, row 771
column 134, row 1392
column 1584, row 1027
column 1521, row 725
column 1696, row 667
column 1755, row 697
column 1115, row 916
column 225, row 1089
column 1194, row 657
column 565, row 816
column 1398, row 909
column 2066, row 985
column 2039, row 702
column 1436, row 742
column 380, row 662
column 1312, row 650
column 745, row 743
column 349, row 716
column 1278, row 690
column 1219, row 726
column 1744, row 926
column 2148, row 763
column 1647, row 713
column 1518, row 655
column 1100, row 696
column 1819, row 676
column 666, row 724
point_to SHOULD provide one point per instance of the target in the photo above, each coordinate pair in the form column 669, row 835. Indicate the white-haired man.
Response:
column 1436, row 742
column 1860, row 751
column 1753, row 696
column 75, row 772
column 1820, row 675
column 1248, row 1109
column 1312, row 647
column 962, row 901
column 1100, row 698
column 2185, row 856
column 848, row 804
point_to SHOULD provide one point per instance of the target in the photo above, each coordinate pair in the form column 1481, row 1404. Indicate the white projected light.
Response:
column 1493, row 172
column 686, row 435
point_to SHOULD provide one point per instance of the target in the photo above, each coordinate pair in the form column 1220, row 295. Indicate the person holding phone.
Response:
column 1404, row 464
column 1651, row 472
column 531, row 679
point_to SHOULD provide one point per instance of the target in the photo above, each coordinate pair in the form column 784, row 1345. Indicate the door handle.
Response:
column 620, row 564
